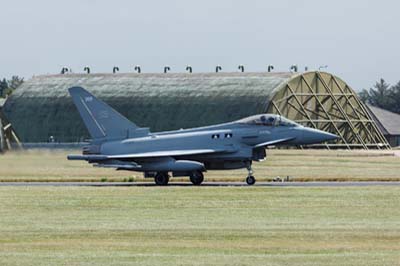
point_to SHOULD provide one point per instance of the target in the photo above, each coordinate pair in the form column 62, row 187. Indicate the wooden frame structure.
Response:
column 7, row 134
column 324, row 101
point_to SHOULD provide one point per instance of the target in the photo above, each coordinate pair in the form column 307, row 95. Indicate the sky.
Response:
column 359, row 40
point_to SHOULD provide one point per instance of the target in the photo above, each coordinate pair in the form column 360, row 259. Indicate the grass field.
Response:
column 199, row 226
column 300, row 165
column 202, row 225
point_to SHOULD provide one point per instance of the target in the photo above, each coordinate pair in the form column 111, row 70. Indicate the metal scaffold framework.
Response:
column 323, row 101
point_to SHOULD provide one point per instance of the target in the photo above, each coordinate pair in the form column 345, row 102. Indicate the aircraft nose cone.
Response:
column 312, row 135
column 330, row 136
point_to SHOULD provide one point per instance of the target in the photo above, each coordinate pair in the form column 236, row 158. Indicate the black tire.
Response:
column 250, row 180
column 161, row 179
column 197, row 178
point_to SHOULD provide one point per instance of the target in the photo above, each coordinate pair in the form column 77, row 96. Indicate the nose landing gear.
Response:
column 250, row 180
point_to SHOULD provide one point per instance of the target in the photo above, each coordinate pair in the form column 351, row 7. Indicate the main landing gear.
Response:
column 161, row 179
column 196, row 178
column 250, row 180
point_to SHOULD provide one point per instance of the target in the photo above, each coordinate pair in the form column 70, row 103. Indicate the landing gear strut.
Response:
column 250, row 180
column 196, row 178
column 161, row 179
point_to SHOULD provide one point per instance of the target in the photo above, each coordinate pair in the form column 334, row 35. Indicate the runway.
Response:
column 205, row 184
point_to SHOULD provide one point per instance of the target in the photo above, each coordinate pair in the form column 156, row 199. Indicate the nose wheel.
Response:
column 250, row 180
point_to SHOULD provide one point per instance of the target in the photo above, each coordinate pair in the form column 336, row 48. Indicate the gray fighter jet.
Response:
column 118, row 143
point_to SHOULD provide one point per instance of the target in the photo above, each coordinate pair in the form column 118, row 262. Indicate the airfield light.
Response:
column 323, row 67
column 294, row 68
column 64, row 70
column 138, row 69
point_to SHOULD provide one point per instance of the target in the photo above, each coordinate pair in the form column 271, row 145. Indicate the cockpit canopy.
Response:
column 268, row 120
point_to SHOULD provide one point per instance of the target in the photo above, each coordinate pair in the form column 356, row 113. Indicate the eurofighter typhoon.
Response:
column 119, row 143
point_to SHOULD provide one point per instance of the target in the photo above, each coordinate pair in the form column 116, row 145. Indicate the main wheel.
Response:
column 197, row 178
column 161, row 179
column 250, row 180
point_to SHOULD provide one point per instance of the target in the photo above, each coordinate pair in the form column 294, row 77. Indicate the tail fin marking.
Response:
column 101, row 120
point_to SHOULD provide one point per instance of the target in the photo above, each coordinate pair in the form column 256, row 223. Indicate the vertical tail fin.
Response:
column 102, row 121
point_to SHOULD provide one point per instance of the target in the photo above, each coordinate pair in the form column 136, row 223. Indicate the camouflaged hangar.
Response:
column 41, row 109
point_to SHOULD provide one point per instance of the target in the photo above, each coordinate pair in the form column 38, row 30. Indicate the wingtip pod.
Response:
column 73, row 157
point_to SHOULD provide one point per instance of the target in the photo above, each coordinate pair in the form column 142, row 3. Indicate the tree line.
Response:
column 383, row 95
column 7, row 86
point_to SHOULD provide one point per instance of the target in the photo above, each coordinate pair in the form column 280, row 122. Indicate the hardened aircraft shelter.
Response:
column 41, row 109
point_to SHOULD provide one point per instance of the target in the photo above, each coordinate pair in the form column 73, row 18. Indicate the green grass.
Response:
column 199, row 226
column 300, row 165
column 202, row 225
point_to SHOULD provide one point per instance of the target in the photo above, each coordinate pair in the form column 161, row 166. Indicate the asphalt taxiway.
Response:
column 205, row 184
